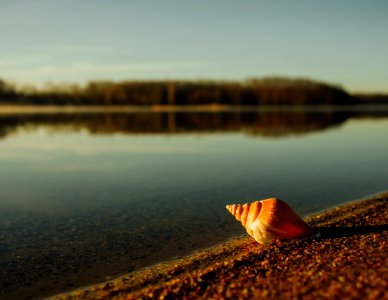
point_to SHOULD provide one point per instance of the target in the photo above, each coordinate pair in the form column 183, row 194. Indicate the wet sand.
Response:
column 348, row 261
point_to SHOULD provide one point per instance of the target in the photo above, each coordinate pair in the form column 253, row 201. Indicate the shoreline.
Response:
column 348, row 258
column 6, row 109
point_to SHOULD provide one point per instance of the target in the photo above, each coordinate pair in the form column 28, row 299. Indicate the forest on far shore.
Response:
column 260, row 91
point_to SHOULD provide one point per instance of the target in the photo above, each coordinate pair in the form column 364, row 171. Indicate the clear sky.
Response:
column 339, row 41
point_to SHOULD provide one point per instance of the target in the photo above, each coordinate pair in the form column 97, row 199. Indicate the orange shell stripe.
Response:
column 246, row 213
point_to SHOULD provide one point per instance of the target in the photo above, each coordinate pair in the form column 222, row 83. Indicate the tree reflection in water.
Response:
column 268, row 123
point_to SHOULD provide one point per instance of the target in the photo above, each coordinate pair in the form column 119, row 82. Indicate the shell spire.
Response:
column 270, row 219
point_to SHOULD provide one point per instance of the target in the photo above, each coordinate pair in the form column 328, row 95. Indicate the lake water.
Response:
column 85, row 197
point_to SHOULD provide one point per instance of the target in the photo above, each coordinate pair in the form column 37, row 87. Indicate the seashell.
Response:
column 270, row 219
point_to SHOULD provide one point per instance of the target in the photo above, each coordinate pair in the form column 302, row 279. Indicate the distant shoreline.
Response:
column 75, row 109
column 244, row 269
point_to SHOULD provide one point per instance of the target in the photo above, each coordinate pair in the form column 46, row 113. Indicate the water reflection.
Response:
column 270, row 123
column 85, row 196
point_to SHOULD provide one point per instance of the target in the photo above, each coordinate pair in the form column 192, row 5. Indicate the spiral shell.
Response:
column 270, row 219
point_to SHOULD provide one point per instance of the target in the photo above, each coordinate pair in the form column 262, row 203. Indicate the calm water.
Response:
column 87, row 196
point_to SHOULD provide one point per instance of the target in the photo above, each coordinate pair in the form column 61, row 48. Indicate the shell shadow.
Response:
column 337, row 232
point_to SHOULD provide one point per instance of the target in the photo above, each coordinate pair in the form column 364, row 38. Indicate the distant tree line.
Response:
column 372, row 98
column 265, row 91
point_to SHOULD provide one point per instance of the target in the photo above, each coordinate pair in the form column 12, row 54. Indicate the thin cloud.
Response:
column 88, row 71
column 11, row 62
column 42, row 56
column 74, row 48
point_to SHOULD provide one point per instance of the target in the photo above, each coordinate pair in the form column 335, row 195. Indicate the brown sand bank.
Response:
column 348, row 261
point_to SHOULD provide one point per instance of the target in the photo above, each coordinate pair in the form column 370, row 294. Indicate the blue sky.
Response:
column 342, row 42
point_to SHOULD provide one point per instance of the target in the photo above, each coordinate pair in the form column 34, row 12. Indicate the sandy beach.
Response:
column 348, row 261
